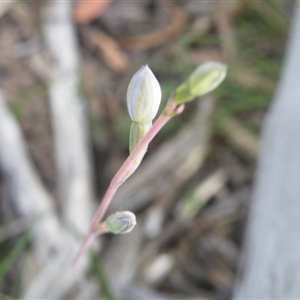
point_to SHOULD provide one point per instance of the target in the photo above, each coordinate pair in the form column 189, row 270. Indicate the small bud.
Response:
column 121, row 222
column 203, row 80
column 143, row 96
column 137, row 132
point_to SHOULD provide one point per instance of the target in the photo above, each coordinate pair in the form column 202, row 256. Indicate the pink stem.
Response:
column 121, row 174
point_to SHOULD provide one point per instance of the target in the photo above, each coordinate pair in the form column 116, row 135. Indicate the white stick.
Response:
column 72, row 153
column 68, row 116
column 54, row 248
column 29, row 197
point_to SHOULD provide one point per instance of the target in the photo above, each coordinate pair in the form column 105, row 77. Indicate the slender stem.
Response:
column 101, row 228
column 121, row 175
column 84, row 247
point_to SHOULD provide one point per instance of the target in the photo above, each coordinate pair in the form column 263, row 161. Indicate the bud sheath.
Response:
column 137, row 132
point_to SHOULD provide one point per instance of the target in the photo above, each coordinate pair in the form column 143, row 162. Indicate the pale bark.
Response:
column 271, row 264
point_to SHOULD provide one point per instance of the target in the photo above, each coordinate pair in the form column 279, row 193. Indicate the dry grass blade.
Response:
column 114, row 57
column 225, row 30
column 241, row 138
column 178, row 21
column 86, row 11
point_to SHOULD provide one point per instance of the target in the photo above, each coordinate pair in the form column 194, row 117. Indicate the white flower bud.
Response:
column 203, row 80
column 121, row 222
column 143, row 96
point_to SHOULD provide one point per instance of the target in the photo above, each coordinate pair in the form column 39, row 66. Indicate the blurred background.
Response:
column 64, row 131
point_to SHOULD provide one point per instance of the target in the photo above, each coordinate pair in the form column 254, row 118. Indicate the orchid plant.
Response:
column 143, row 101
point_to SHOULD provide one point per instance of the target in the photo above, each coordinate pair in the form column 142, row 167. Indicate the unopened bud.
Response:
column 137, row 132
column 203, row 80
column 143, row 96
column 121, row 222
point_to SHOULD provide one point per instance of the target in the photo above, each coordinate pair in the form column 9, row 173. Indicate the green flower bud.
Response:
column 203, row 80
column 137, row 132
column 120, row 222
column 143, row 96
